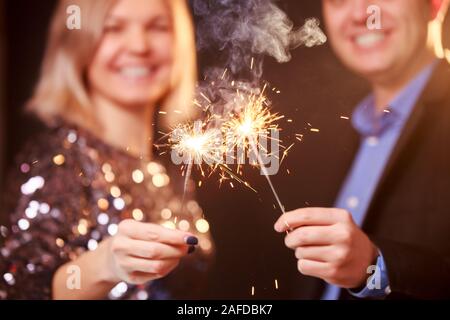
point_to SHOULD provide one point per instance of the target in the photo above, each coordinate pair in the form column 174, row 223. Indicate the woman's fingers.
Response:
column 153, row 232
column 138, row 278
column 159, row 268
column 143, row 251
column 154, row 250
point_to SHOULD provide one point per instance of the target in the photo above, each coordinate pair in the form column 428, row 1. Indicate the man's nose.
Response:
column 359, row 14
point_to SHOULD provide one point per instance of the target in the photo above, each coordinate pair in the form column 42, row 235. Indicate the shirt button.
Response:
column 352, row 202
column 372, row 141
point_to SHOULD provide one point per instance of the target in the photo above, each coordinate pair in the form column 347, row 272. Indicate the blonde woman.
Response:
column 94, row 213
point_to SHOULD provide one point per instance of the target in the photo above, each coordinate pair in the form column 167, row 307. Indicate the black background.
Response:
column 315, row 91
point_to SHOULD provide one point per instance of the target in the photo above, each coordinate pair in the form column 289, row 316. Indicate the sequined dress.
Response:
column 68, row 191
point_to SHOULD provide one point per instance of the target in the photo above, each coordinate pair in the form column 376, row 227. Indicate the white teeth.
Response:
column 369, row 39
column 135, row 72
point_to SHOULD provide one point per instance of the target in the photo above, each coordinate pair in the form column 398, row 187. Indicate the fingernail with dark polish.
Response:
column 192, row 241
column 191, row 249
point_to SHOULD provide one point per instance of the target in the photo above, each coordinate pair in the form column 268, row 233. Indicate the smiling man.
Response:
column 388, row 235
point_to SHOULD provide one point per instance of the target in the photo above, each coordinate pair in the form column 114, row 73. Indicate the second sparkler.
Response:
column 225, row 142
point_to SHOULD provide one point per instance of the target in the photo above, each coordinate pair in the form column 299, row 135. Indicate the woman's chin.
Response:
column 131, row 102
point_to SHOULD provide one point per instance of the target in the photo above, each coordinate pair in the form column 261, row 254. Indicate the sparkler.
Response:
column 241, row 114
column 254, row 120
column 201, row 143
column 198, row 144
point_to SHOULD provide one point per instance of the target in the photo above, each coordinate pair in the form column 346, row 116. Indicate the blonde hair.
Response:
column 61, row 91
column 435, row 32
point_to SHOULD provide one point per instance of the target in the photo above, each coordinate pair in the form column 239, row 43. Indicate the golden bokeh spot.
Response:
column 60, row 242
column 166, row 214
column 184, row 225
column 103, row 204
column 138, row 176
column 160, row 180
column 202, row 225
column 138, row 215
column 115, row 192
column 153, row 168
column 169, row 225
column 59, row 160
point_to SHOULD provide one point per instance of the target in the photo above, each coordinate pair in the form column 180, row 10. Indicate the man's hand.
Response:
column 328, row 245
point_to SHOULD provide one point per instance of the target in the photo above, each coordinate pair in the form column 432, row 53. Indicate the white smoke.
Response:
column 244, row 32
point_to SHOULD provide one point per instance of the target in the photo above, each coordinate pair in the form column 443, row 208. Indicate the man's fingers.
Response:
column 310, row 236
column 317, row 253
column 314, row 268
column 309, row 217
column 153, row 232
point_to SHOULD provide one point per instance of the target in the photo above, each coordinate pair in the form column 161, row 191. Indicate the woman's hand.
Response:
column 141, row 252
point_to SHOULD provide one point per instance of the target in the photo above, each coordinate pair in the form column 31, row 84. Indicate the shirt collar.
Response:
column 370, row 123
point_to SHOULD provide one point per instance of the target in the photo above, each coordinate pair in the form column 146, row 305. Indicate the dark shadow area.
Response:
column 2, row 90
column 316, row 91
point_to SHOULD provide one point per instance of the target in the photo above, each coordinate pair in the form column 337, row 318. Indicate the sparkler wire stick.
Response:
column 186, row 181
column 265, row 173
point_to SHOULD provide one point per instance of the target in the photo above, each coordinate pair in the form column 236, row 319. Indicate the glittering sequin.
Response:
column 68, row 191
